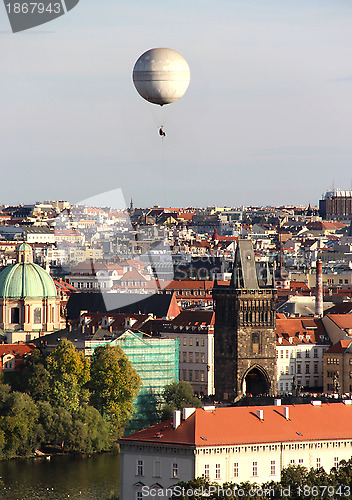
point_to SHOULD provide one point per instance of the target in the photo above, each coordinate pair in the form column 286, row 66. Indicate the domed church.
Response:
column 28, row 298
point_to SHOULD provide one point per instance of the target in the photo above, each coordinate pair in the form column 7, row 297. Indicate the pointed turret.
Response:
column 244, row 273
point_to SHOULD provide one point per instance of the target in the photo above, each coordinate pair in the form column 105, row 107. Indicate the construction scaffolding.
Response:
column 157, row 363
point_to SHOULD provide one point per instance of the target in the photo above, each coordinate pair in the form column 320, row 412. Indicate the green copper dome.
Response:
column 26, row 280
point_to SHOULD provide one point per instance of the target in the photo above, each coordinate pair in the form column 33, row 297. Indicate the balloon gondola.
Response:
column 161, row 76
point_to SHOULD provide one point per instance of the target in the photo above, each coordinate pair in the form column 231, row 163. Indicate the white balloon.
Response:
column 161, row 76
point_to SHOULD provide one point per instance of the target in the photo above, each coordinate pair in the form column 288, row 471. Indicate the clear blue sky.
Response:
column 266, row 120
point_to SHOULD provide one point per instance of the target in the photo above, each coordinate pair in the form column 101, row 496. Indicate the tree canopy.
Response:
column 66, row 401
column 177, row 396
column 114, row 383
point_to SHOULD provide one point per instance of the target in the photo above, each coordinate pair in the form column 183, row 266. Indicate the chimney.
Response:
column 316, row 403
column 187, row 412
column 319, row 290
column 83, row 328
column 177, row 419
column 260, row 415
column 277, row 402
column 287, row 412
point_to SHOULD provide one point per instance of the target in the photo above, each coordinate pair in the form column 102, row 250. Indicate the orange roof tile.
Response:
column 240, row 425
column 343, row 321
column 340, row 347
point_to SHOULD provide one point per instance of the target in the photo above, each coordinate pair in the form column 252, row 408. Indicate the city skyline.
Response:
column 265, row 121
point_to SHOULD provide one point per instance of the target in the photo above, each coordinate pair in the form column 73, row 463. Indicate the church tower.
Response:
column 245, row 330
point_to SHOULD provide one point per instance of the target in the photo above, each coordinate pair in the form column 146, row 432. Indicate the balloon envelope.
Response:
column 161, row 76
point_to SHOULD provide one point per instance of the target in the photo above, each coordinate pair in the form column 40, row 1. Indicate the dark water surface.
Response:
column 85, row 478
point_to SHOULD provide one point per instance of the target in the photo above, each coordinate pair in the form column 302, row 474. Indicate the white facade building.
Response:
column 300, row 347
column 195, row 331
column 234, row 445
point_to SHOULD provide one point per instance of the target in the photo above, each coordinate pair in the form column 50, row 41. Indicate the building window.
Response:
column 202, row 342
column 300, row 461
column 196, row 373
column 15, row 315
column 184, row 374
column 140, row 468
column 307, row 354
column 281, row 354
column 202, row 376
column 255, row 343
column 184, row 340
column 206, row 471
column 202, row 357
column 255, row 469
column 336, row 462
column 174, row 471
column 185, row 357
column 315, row 352
column 272, row 468
column 217, row 471
column 139, row 495
column 287, row 353
column 292, row 461
column 197, row 357
column 190, row 357
column 157, row 468
column 307, row 368
column 190, row 375
column 318, row 463
column 298, row 353
column 37, row 316
column 197, row 342
column 235, row 469
column 316, row 368
column 190, row 341
column 299, row 368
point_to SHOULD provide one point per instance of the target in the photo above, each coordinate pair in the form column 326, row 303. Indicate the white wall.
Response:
column 150, row 454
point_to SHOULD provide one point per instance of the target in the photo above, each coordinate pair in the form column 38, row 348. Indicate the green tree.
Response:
column 177, row 396
column 114, row 384
column 342, row 475
column 18, row 424
column 33, row 378
column 69, row 371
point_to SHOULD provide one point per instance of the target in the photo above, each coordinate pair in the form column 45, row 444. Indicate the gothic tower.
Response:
column 245, row 330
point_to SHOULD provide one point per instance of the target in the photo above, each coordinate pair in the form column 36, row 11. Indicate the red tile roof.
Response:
column 240, row 425
column 340, row 347
column 313, row 328
column 17, row 349
column 343, row 321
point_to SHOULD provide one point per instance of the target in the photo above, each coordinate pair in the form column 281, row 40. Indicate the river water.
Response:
column 74, row 477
